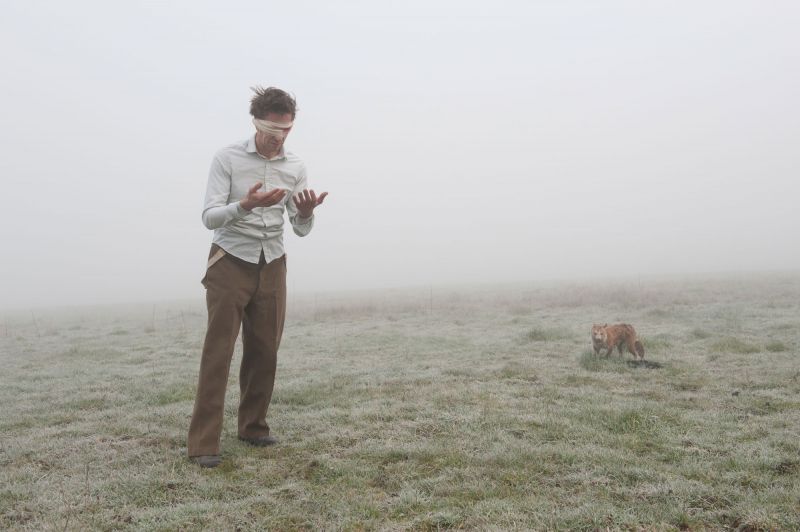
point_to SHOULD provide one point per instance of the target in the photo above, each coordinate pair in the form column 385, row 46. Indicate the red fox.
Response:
column 610, row 336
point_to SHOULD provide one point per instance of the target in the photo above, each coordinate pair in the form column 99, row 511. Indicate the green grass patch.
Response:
column 175, row 394
column 734, row 345
column 776, row 347
column 631, row 421
column 578, row 381
column 518, row 371
column 689, row 384
column 659, row 342
column 590, row 362
column 94, row 403
column 538, row 334
column 94, row 354
column 761, row 406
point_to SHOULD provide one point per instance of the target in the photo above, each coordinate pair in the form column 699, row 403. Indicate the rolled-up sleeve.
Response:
column 217, row 212
column 300, row 226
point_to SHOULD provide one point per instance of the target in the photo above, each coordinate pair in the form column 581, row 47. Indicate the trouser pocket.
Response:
column 214, row 256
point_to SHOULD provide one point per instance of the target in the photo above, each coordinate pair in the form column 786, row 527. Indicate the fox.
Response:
column 610, row 336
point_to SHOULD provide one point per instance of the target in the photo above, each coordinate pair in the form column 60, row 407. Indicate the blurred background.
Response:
column 460, row 142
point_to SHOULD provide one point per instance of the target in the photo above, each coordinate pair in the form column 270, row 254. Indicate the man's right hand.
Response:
column 261, row 199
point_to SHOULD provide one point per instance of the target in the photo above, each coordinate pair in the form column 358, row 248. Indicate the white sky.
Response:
column 460, row 142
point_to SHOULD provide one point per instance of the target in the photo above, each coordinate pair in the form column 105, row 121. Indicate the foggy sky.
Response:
column 460, row 142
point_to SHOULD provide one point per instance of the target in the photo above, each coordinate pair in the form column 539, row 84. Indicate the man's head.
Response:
column 273, row 113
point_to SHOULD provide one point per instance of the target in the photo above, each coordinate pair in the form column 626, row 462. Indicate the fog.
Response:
column 460, row 142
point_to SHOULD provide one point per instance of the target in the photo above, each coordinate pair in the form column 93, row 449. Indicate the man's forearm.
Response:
column 222, row 215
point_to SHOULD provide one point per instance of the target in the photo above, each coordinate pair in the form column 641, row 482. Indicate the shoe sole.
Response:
column 206, row 465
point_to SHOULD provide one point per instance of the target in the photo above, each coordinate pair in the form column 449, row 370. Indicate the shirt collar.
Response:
column 251, row 148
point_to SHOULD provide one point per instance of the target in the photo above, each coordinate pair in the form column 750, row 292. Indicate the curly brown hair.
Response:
column 271, row 100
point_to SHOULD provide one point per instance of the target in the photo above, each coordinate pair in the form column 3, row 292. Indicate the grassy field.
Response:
column 480, row 408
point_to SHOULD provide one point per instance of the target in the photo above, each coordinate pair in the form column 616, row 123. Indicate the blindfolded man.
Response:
column 250, row 185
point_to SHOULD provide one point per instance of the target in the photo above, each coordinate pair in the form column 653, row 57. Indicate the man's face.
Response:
column 273, row 141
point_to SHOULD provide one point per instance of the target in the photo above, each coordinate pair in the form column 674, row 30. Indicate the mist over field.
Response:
column 501, row 176
column 460, row 144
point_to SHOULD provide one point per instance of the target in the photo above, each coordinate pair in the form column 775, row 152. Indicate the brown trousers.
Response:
column 253, row 296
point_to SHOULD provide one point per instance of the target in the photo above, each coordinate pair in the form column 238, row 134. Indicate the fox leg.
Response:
column 631, row 345
column 639, row 349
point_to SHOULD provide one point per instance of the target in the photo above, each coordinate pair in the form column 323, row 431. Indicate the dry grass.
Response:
column 475, row 409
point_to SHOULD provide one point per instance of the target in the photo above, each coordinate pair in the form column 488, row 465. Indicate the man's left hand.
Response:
column 306, row 201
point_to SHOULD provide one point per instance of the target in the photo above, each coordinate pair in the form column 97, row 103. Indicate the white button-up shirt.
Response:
column 245, row 234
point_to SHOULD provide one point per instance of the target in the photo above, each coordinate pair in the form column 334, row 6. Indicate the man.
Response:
column 250, row 185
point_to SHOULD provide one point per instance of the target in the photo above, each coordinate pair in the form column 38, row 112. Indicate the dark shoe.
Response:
column 212, row 460
column 261, row 441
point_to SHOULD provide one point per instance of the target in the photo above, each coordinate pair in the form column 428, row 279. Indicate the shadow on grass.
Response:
column 646, row 364
column 591, row 362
